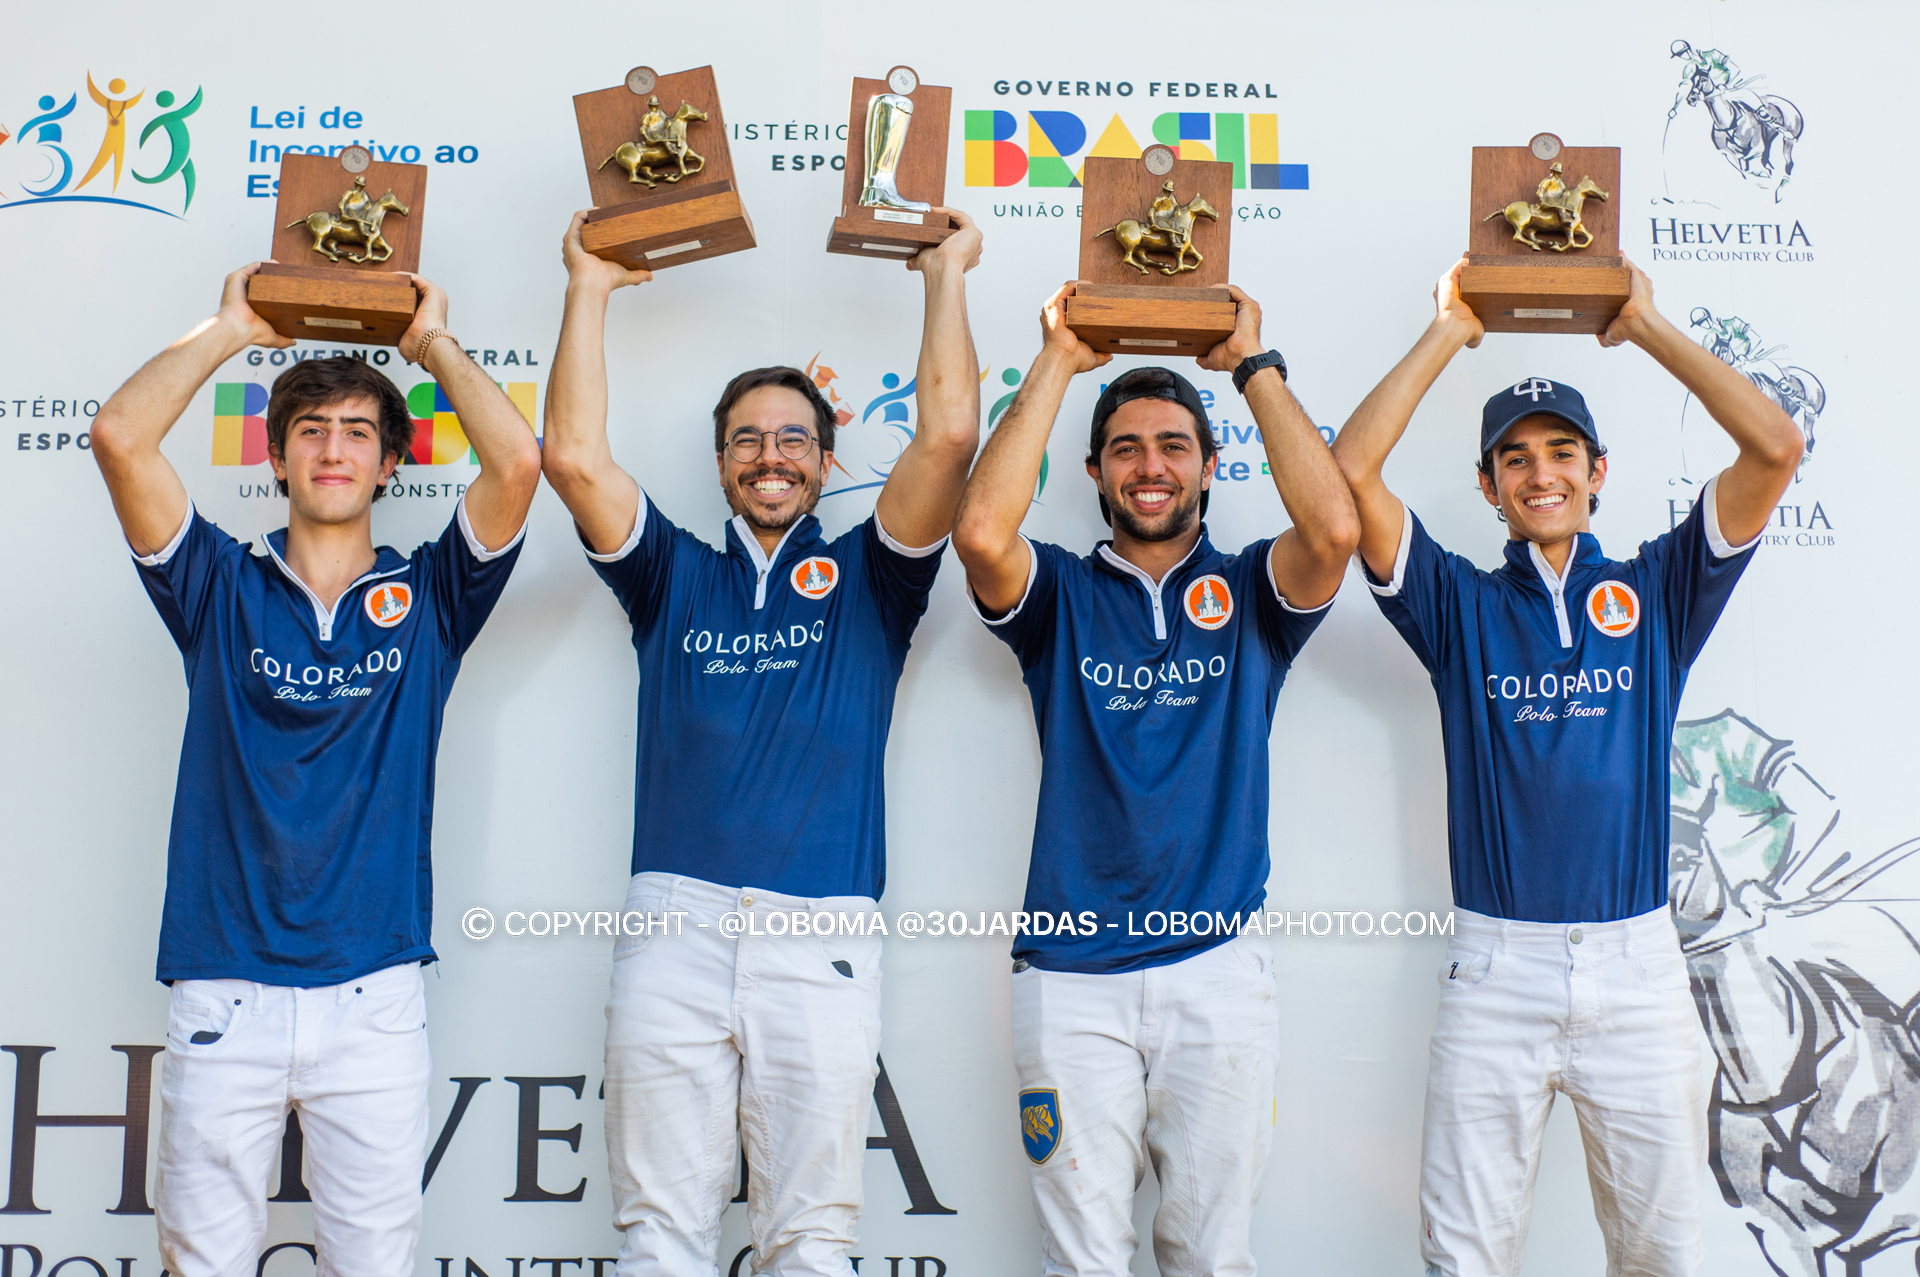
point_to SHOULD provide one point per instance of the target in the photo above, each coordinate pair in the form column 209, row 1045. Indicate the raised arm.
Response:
column 577, row 460
column 509, row 455
column 1310, row 558
column 986, row 529
column 916, row 506
column 1377, row 424
column 1770, row 444
column 148, row 496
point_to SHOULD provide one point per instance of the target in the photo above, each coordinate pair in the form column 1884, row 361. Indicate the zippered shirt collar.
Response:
column 387, row 561
column 1108, row 559
column 802, row 535
column 1527, row 566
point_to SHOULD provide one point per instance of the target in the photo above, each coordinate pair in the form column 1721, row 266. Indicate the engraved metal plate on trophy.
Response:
column 896, row 168
column 1543, row 247
column 343, row 225
column 660, row 171
column 1153, row 255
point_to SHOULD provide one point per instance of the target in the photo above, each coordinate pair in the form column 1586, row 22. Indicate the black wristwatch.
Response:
column 1253, row 364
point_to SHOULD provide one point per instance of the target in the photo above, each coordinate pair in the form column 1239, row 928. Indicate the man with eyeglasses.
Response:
column 767, row 676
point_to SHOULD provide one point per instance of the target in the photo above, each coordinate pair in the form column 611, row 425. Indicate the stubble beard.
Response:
column 1171, row 526
column 755, row 514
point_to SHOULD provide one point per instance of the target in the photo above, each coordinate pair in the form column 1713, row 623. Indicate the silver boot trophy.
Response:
column 876, row 220
column 889, row 116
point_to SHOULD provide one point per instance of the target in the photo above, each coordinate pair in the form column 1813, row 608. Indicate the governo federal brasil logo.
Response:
column 1056, row 146
column 118, row 130
column 240, row 423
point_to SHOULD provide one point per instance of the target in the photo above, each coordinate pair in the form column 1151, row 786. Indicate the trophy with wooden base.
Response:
column 343, row 225
column 1153, row 255
column 896, row 168
column 1543, row 250
column 660, row 171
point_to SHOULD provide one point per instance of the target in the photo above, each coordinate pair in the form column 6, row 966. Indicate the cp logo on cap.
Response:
column 1534, row 386
column 1208, row 602
column 387, row 605
column 815, row 578
column 1040, row 1123
column 1613, row 608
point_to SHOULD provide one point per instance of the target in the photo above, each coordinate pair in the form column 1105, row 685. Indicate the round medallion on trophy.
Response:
column 356, row 159
column 641, row 80
column 1158, row 159
column 903, row 80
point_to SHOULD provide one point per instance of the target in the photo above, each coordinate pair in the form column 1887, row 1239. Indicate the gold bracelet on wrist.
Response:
column 427, row 339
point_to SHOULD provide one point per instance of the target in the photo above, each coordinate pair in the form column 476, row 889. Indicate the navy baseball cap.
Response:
column 1525, row 399
column 1148, row 383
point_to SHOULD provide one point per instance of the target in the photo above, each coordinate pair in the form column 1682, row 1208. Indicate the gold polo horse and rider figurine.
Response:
column 663, row 143
column 1168, row 229
column 658, row 201
column 1550, row 263
column 1144, row 284
column 358, row 223
column 1556, row 212
column 341, row 272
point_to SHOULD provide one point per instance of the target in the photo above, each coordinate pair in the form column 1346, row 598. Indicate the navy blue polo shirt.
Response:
column 766, row 695
column 1557, row 704
column 1154, row 703
column 300, row 852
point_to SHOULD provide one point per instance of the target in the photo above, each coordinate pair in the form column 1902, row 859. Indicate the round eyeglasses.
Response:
column 794, row 442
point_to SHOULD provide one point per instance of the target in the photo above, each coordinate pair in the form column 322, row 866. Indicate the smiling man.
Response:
column 767, row 677
column 1559, row 676
column 299, row 874
column 1154, row 665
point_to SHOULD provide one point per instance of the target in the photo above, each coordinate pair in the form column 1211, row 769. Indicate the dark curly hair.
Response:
column 780, row 375
column 315, row 383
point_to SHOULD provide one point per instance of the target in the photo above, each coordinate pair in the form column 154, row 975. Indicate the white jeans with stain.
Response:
column 1174, row 1064
column 352, row 1058
column 713, row 1037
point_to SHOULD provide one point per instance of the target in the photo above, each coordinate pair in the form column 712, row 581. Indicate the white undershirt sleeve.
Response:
column 167, row 551
column 1392, row 587
column 1715, row 541
column 633, row 538
column 1033, row 570
column 479, row 551
column 1303, row 611
column 902, row 550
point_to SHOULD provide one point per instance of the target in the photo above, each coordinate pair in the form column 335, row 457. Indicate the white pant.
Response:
column 711, row 1038
column 1601, row 1012
column 352, row 1058
column 1174, row 1063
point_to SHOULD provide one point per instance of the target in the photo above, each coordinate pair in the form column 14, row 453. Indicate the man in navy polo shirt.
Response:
column 767, row 676
column 1559, row 676
column 299, row 878
column 1154, row 665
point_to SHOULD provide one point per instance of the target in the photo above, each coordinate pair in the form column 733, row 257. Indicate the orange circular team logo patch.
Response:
column 815, row 578
column 1208, row 602
column 1613, row 608
column 388, row 605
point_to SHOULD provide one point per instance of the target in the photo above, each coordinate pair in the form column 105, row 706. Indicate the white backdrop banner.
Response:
column 1776, row 234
